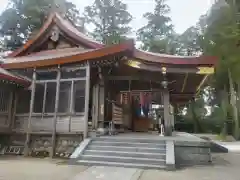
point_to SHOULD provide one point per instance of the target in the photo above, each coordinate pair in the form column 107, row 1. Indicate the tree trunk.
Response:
column 194, row 116
column 238, row 106
column 224, row 102
column 234, row 106
column 224, row 107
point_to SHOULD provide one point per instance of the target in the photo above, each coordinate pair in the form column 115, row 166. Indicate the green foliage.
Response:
column 157, row 35
column 196, row 112
column 110, row 20
column 22, row 17
column 222, row 39
column 217, row 33
column 190, row 42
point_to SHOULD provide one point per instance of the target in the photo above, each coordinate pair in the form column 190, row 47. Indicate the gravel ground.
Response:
column 19, row 168
column 225, row 167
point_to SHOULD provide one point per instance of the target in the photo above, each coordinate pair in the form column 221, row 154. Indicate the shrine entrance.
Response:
column 134, row 101
column 137, row 110
column 138, row 95
column 140, row 112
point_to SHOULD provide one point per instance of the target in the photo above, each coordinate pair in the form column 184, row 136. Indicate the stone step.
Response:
column 122, row 159
column 130, row 139
column 126, row 149
column 126, row 154
column 128, row 144
column 118, row 164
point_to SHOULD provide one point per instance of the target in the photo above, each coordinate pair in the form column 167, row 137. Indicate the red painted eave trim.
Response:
column 175, row 60
column 16, row 80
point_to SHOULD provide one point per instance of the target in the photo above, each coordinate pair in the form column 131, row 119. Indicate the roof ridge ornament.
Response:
column 55, row 34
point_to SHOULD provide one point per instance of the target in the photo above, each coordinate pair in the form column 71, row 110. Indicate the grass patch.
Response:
column 221, row 137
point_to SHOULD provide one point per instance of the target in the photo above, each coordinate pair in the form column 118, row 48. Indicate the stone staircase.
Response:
column 123, row 152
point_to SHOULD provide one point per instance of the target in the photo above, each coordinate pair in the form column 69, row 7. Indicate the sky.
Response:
column 184, row 13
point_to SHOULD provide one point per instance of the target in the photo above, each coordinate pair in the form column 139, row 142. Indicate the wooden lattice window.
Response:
column 79, row 96
column 23, row 102
column 4, row 100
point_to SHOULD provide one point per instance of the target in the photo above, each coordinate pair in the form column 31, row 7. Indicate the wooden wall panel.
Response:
column 3, row 120
column 21, row 123
column 117, row 116
column 62, row 124
column 77, row 124
column 142, row 124
column 42, row 124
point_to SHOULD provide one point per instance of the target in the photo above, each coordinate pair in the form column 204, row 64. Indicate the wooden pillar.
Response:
column 175, row 113
column 87, row 92
column 55, row 114
column 167, row 118
column 101, row 106
column 29, row 127
column 95, row 106
column 14, row 110
column 71, row 107
column 10, row 109
column 44, row 99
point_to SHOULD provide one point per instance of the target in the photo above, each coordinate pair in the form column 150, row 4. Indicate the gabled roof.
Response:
column 65, row 56
column 65, row 26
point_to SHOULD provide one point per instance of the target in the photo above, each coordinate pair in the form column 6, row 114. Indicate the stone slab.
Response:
column 170, row 155
column 79, row 150
column 231, row 146
column 109, row 173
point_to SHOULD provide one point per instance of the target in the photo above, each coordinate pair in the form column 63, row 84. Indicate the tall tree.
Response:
column 189, row 42
column 110, row 19
column 221, row 38
column 157, row 35
column 197, row 112
column 22, row 17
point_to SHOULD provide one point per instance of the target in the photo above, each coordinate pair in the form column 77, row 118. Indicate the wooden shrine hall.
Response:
column 77, row 85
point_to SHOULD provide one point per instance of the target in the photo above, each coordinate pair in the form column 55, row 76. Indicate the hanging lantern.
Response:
column 164, row 84
column 164, row 70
